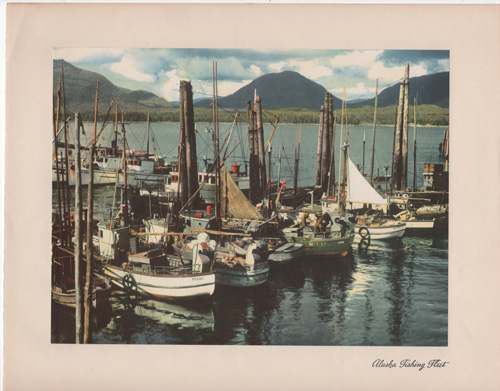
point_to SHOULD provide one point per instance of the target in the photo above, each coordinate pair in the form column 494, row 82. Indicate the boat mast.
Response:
column 363, row 165
column 87, row 336
column 279, row 167
column 125, row 203
column 147, row 147
column 66, row 161
column 78, row 251
column 296, row 169
column 414, row 143
column 115, row 142
column 374, row 129
column 215, row 136
column 56, row 157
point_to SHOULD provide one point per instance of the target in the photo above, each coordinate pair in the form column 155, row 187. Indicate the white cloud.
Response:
column 391, row 75
column 170, row 87
column 129, row 68
column 364, row 58
column 255, row 70
column 360, row 90
column 87, row 54
column 311, row 69
column 277, row 66
column 228, row 87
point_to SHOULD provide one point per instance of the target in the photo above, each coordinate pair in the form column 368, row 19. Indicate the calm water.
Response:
column 389, row 294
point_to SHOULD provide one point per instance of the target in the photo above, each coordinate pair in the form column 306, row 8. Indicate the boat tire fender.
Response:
column 364, row 233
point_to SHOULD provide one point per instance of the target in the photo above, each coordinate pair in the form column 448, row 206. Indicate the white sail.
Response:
column 360, row 190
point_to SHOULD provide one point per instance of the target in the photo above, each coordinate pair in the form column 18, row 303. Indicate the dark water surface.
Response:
column 390, row 294
column 386, row 295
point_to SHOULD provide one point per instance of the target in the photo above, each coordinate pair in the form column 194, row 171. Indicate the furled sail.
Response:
column 360, row 190
column 234, row 204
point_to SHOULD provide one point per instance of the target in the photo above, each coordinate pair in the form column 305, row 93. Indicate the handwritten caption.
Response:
column 408, row 363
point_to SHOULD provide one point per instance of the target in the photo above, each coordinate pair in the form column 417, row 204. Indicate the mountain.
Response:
column 80, row 86
column 432, row 89
column 277, row 90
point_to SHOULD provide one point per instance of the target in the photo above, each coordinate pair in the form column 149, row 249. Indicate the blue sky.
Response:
column 160, row 70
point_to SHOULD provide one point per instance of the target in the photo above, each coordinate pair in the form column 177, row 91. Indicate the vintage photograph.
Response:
column 250, row 197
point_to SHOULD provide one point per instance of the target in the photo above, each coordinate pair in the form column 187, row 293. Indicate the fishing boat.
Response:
column 234, row 271
column 376, row 226
column 431, row 212
column 336, row 240
column 152, row 273
column 63, row 283
column 64, row 294
column 413, row 224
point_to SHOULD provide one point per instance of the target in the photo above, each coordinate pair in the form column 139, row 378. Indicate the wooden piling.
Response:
column 190, row 142
column 331, row 173
column 251, row 145
column 406, row 120
column 183, row 180
column 398, row 163
column 78, row 236
column 393, row 175
column 320, row 145
column 414, row 187
column 325, row 145
column 260, row 137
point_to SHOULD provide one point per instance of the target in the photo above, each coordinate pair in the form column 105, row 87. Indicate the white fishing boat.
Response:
column 238, row 272
column 153, row 273
column 413, row 224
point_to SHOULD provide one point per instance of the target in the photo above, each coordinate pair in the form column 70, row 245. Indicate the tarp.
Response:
column 360, row 189
column 234, row 204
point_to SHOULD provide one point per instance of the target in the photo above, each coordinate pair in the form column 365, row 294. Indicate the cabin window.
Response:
column 101, row 234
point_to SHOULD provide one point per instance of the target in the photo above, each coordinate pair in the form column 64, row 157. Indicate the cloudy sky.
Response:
column 160, row 70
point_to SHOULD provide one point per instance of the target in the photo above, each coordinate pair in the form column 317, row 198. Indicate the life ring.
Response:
column 129, row 283
column 364, row 233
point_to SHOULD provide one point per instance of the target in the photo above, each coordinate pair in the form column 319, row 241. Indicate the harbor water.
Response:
column 389, row 294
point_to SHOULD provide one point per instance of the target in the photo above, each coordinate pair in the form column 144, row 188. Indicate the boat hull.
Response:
column 100, row 296
column 285, row 255
column 168, row 287
column 240, row 278
column 324, row 246
column 101, row 177
column 382, row 232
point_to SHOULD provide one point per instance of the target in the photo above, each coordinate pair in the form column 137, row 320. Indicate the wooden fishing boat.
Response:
column 154, row 274
column 429, row 212
column 379, row 228
column 414, row 225
column 240, row 272
column 334, row 241
column 63, row 292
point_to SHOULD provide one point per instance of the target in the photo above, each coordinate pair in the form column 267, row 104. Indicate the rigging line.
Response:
column 288, row 162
